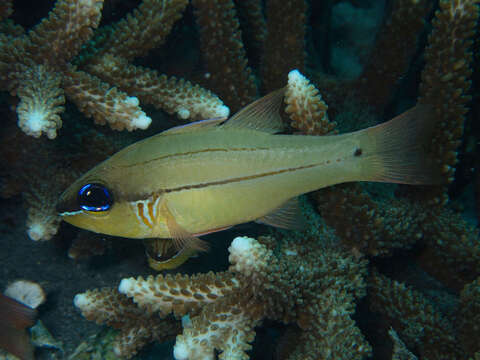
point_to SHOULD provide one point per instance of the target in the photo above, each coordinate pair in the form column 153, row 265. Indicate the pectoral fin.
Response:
column 182, row 238
column 287, row 216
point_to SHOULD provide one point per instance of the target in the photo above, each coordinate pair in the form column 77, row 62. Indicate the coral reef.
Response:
column 377, row 250
column 311, row 285
column 41, row 66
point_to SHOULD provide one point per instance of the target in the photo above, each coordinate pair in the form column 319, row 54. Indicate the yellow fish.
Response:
column 210, row 175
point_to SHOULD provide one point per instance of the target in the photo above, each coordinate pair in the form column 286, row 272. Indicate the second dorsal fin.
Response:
column 262, row 115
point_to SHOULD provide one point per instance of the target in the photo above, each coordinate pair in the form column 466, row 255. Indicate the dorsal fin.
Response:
column 286, row 216
column 194, row 126
column 262, row 115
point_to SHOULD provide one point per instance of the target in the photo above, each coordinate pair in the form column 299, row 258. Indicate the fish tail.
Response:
column 397, row 150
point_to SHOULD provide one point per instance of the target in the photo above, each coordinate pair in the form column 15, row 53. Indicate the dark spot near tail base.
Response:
column 357, row 152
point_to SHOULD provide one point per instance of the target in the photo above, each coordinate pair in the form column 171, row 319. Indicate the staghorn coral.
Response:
column 40, row 199
column 320, row 288
column 285, row 41
column 6, row 9
column 379, row 225
column 32, row 62
column 100, row 101
column 41, row 66
column 468, row 318
column 175, row 96
column 27, row 292
column 41, row 100
column 42, row 219
column 305, row 106
column 445, row 78
column 393, row 51
column 367, row 220
column 416, row 320
column 85, row 246
column 229, row 74
column 137, row 326
column 400, row 351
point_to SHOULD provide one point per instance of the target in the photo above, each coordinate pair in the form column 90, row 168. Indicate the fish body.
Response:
column 209, row 176
column 15, row 318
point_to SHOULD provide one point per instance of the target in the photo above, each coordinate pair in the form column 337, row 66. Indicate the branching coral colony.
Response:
column 310, row 281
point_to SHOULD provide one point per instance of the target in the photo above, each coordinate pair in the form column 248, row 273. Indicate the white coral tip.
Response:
column 36, row 231
column 142, row 121
column 80, row 301
column 295, row 76
column 126, row 285
column 27, row 292
column 35, row 121
column 241, row 246
column 183, row 113
column 180, row 351
column 222, row 111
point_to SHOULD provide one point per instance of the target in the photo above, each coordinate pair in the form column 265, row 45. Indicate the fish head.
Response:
column 95, row 202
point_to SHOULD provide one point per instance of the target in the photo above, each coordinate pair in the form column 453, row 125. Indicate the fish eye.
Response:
column 95, row 197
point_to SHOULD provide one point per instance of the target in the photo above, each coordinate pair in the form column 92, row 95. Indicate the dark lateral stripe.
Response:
column 160, row 192
column 234, row 180
column 191, row 153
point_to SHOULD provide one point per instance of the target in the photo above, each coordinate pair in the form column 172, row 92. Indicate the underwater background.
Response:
column 382, row 271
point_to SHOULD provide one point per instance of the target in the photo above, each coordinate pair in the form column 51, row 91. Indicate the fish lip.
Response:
column 69, row 213
column 67, row 207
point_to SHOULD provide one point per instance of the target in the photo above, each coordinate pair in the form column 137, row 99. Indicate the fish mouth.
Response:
column 161, row 250
column 67, row 207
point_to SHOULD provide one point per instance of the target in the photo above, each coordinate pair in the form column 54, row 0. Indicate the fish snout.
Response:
column 66, row 205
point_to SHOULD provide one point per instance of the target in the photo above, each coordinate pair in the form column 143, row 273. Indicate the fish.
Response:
column 210, row 175
column 15, row 317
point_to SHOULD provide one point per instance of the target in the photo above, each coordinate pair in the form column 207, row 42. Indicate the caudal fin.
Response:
column 396, row 151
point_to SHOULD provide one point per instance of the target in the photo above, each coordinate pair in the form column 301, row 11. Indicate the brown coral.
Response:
column 290, row 284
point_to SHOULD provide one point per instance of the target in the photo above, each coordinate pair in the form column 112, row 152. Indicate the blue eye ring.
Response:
column 95, row 197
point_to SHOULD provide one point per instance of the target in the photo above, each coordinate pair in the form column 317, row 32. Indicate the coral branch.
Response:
column 175, row 96
column 41, row 100
column 138, row 327
column 445, row 79
column 58, row 38
column 5, row 9
column 469, row 317
column 305, row 106
column 224, row 308
column 414, row 317
column 145, row 29
column 103, row 102
column 179, row 294
column 225, row 57
column 285, row 43
column 394, row 48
